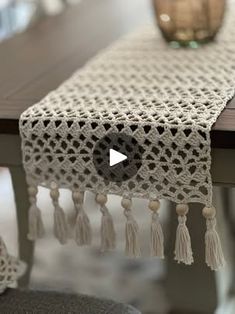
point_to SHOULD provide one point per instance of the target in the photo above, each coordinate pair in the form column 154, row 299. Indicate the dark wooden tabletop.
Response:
column 38, row 60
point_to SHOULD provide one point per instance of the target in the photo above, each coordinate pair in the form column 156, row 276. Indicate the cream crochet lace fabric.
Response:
column 167, row 99
column 10, row 268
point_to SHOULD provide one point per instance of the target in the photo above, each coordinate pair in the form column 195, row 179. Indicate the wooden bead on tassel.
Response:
column 126, row 203
column 209, row 212
column 101, row 199
column 182, row 209
column 154, row 205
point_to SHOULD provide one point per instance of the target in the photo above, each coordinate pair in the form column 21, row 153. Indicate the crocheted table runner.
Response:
column 167, row 99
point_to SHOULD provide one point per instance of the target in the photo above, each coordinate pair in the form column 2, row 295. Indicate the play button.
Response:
column 117, row 157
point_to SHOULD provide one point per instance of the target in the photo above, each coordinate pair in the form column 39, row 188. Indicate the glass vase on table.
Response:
column 189, row 22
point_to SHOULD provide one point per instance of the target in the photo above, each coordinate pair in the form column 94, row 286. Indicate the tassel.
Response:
column 183, row 249
column 82, row 228
column 60, row 222
column 157, row 238
column 214, row 254
column 132, row 231
column 36, row 228
column 108, row 235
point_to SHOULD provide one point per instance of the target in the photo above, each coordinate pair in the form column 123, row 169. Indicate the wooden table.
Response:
column 38, row 60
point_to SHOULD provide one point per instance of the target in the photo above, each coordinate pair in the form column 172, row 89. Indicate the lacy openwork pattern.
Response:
column 167, row 99
column 11, row 268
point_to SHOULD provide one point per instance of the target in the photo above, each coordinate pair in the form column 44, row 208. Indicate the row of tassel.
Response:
column 83, row 232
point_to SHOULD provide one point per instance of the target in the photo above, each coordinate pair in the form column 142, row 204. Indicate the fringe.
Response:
column 82, row 228
column 132, row 231
column 213, row 252
column 108, row 234
column 60, row 221
column 36, row 227
column 183, row 249
column 157, row 237
column 82, row 232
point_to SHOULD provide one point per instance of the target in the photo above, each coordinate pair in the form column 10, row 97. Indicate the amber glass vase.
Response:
column 189, row 22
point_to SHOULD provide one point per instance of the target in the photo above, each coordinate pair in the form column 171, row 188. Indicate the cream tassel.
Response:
column 36, row 228
column 108, row 235
column 183, row 249
column 60, row 222
column 214, row 254
column 157, row 238
column 82, row 228
column 132, row 231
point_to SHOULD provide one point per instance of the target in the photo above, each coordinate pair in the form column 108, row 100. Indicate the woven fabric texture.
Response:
column 39, row 302
column 168, row 99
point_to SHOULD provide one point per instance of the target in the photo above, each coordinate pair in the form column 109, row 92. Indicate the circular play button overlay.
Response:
column 117, row 157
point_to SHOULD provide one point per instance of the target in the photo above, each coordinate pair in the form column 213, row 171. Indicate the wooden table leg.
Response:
column 26, row 247
column 224, row 200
